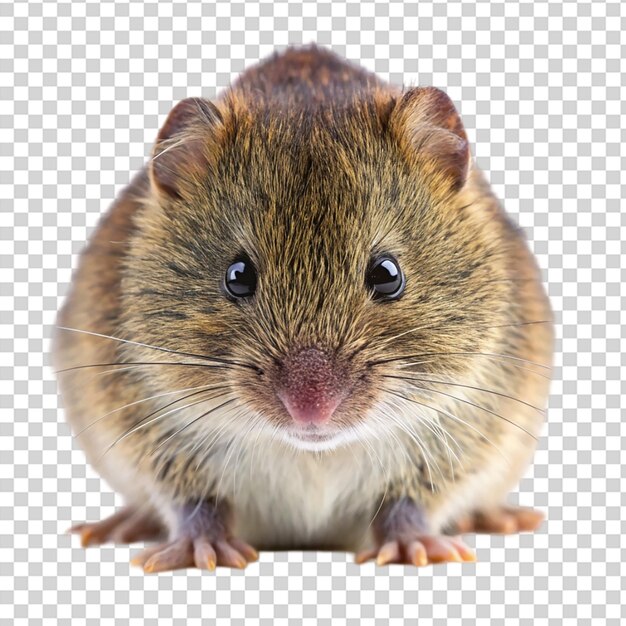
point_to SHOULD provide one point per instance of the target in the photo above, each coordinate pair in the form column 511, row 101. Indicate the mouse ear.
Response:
column 184, row 147
column 430, row 131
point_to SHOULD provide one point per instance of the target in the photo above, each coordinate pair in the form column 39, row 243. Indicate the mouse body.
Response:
column 307, row 323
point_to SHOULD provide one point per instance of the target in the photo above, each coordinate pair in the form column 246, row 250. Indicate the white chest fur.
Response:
column 284, row 498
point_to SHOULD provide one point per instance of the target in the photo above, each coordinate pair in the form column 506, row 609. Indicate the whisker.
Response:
column 478, row 406
column 429, row 424
column 451, row 384
column 348, row 428
column 121, row 408
column 231, row 448
column 367, row 447
column 455, row 417
column 372, row 448
column 416, row 439
column 160, row 348
column 202, row 456
column 169, row 404
column 442, row 326
column 244, row 440
column 193, row 421
column 493, row 280
column 439, row 434
column 380, row 505
column 212, row 438
column 133, row 364
column 408, row 427
column 489, row 411
column 526, row 369
column 217, row 435
column 255, row 446
column 510, row 280
column 158, row 417
column 483, row 354
column 445, row 434
column 389, row 433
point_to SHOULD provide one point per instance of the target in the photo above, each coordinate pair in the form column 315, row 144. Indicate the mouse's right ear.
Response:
column 185, row 148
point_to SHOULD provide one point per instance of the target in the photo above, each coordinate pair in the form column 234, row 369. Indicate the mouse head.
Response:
column 308, row 253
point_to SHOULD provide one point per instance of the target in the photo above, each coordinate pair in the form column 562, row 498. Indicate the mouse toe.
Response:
column 125, row 526
column 201, row 552
column 501, row 520
column 419, row 550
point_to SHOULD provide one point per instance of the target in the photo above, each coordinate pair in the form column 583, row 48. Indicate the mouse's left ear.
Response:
column 429, row 129
column 185, row 147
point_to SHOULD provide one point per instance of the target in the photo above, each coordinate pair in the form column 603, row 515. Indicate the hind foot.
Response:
column 125, row 526
column 202, row 540
column 502, row 520
column 401, row 536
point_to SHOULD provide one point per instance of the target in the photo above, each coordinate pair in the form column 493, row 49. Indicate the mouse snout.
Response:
column 311, row 385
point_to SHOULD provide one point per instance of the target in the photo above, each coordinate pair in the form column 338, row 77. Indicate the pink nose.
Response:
column 311, row 386
column 309, row 410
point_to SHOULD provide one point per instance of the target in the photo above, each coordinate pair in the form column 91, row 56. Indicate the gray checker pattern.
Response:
column 84, row 88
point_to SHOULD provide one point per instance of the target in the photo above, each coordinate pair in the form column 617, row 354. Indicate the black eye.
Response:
column 240, row 279
column 385, row 278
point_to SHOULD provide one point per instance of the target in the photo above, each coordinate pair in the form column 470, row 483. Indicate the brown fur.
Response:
column 310, row 165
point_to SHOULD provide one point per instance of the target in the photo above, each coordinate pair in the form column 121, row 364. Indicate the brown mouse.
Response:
column 307, row 323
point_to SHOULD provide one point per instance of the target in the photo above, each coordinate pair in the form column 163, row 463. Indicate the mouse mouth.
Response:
column 316, row 435
column 315, row 438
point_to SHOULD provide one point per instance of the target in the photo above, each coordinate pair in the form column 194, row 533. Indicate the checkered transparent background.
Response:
column 540, row 85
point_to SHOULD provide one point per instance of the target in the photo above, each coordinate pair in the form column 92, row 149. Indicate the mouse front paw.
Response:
column 401, row 536
column 202, row 540
column 201, row 552
column 418, row 549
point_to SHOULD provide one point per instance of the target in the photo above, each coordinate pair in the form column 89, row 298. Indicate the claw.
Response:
column 417, row 554
column 227, row 555
column 204, row 555
column 86, row 537
column 247, row 550
column 389, row 553
column 466, row 553
column 365, row 555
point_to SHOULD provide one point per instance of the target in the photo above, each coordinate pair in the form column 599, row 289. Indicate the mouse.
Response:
column 307, row 323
